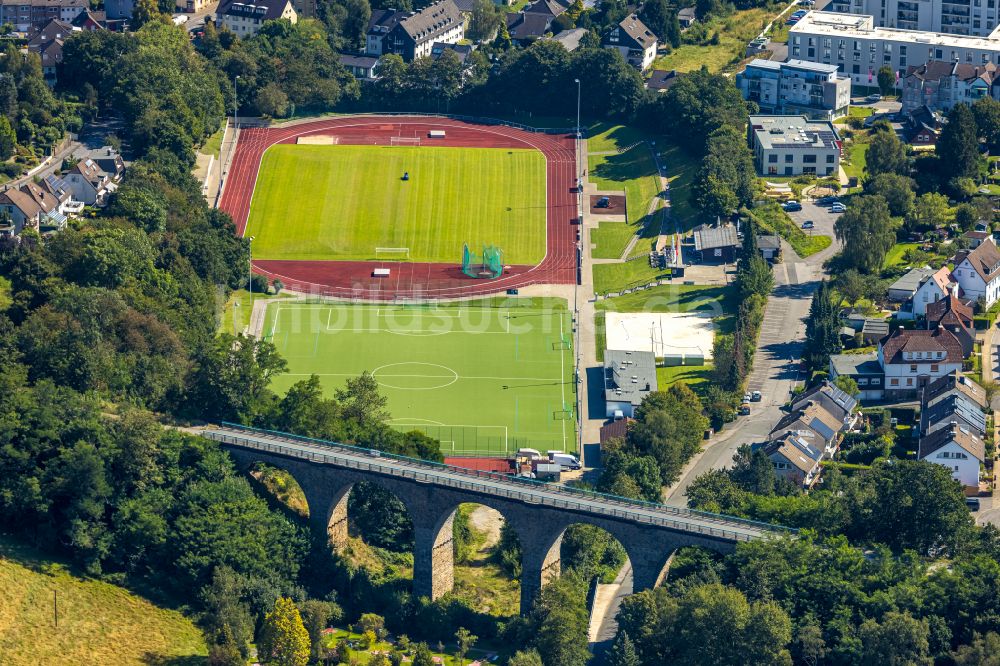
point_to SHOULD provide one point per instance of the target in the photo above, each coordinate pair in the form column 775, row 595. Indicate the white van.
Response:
column 564, row 460
column 530, row 454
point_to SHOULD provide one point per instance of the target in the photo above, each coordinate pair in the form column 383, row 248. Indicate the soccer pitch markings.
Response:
column 481, row 380
column 340, row 202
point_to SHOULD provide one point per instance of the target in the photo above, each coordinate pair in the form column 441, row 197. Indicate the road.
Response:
column 91, row 137
column 775, row 371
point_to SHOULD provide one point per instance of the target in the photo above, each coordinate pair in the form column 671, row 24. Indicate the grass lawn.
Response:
column 855, row 166
column 860, row 111
column 681, row 170
column 605, row 137
column 633, row 171
column 236, row 311
column 99, row 623
column 213, row 144
column 735, row 31
column 611, row 239
column 616, row 277
column 341, row 202
column 773, row 219
column 894, row 257
column 481, row 380
column 695, row 376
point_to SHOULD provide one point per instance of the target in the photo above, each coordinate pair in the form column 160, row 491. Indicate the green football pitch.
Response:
column 482, row 380
column 342, row 202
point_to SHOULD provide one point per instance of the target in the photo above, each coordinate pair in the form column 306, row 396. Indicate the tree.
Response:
column 847, row 385
column 272, row 101
column 866, row 231
column 622, row 652
column 986, row 112
column 284, row 640
column 983, row 651
column 822, row 328
column 484, row 21
column 8, row 139
column 559, row 622
column 727, row 178
column 886, row 154
column 228, row 621
column 897, row 191
column 144, row 12
column 958, row 146
column 753, row 471
column 526, row 658
column 464, row 639
column 931, row 211
column 899, row 640
column 422, row 655
column 966, row 216
column 317, row 616
column 662, row 20
column 886, row 79
column 233, row 376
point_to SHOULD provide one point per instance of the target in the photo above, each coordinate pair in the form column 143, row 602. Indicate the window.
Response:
column 909, row 381
column 894, row 382
column 773, row 171
column 809, row 159
column 938, row 54
column 772, row 158
column 862, row 381
column 934, row 367
column 788, row 171
column 913, row 368
column 876, row 381
column 830, row 159
column 788, row 158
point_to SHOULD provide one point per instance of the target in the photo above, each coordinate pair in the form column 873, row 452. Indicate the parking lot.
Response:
column 820, row 215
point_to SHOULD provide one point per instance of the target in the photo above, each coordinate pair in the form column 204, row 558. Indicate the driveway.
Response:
column 821, row 217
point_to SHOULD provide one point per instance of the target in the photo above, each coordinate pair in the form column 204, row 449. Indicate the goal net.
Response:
column 489, row 264
column 392, row 253
column 404, row 141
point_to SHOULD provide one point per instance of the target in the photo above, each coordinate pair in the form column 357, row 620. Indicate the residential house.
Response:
column 795, row 458
column 110, row 162
column 912, row 358
column 812, row 423
column 629, row 376
column 941, row 85
column 28, row 15
column 903, row 289
column 717, row 244
column 932, row 289
column 246, row 19
column 873, row 330
column 662, row 80
column 89, row 183
column 48, row 44
column 794, row 145
column 58, row 188
column 796, row 87
column 954, row 383
column 922, row 127
column 958, row 449
column 91, row 20
column 686, row 17
column 411, row 35
column 633, row 40
column 32, row 206
column 525, row 28
column 360, row 66
column 547, row 8
column 831, row 398
column 953, row 410
column 954, row 315
column 195, row 6
column 770, row 247
column 864, row 369
column 978, row 273
column 570, row 39
column 976, row 238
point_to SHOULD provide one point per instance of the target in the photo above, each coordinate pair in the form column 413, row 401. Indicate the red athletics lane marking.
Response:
column 352, row 279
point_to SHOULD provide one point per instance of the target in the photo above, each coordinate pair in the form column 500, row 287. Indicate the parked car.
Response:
column 790, row 206
column 873, row 98
column 745, row 409
column 826, row 201
column 972, row 503
column 808, row 224
column 603, row 202
column 838, row 208
column 755, row 396
column 746, row 397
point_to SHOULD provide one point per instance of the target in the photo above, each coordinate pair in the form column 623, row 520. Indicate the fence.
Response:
column 478, row 120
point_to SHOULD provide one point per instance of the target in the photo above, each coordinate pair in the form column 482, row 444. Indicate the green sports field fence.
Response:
column 482, row 441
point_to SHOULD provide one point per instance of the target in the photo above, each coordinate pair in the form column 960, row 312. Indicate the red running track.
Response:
column 353, row 279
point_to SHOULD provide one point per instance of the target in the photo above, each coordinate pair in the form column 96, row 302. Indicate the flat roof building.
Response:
column 629, row 376
column 960, row 17
column 812, row 89
column 794, row 145
column 859, row 49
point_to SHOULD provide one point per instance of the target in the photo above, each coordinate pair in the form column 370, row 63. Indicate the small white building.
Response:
column 629, row 376
column 89, row 183
column 634, row 41
column 932, row 289
column 246, row 18
column 956, row 448
column 794, row 145
column 978, row 273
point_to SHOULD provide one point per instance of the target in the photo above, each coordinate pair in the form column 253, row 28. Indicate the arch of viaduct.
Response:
column 431, row 506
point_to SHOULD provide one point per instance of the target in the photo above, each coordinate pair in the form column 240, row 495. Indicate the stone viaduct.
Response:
column 539, row 513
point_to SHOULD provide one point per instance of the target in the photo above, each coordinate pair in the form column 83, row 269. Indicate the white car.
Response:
column 838, row 208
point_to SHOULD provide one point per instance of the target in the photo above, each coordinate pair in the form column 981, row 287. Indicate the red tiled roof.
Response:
column 939, row 339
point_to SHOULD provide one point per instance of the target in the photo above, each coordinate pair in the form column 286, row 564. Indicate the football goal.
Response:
column 392, row 253
column 404, row 141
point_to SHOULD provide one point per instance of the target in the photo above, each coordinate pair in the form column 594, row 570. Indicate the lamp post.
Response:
column 577, row 108
column 236, row 103
column 250, row 262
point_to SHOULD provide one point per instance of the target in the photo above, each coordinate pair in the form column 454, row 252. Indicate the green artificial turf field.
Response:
column 482, row 380
column 341, row 202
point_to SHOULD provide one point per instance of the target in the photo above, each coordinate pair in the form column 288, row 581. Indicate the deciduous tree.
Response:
column 284, row 641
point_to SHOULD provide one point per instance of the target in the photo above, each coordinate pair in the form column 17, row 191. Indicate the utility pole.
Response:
column 236, row 103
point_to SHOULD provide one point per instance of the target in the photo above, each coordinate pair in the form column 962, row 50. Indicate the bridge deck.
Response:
column 552, row 496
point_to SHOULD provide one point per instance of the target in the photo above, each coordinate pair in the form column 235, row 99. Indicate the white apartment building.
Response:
column 815, row 90
column 859, row 49
column 793, row 145
column 245, row 18
column 959, row 17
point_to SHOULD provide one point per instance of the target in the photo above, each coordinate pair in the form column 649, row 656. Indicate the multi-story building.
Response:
column 959, row 17
column 812, row 89
column 245, row 19
column 941, row 85
column 412, row 35
column 912, row 358
column 859, row 49
column 26, row 15
column 794, row 145
column 978, row 274
column 633, row 40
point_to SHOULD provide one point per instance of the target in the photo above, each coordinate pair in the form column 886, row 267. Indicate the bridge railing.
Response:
column 520, row 488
